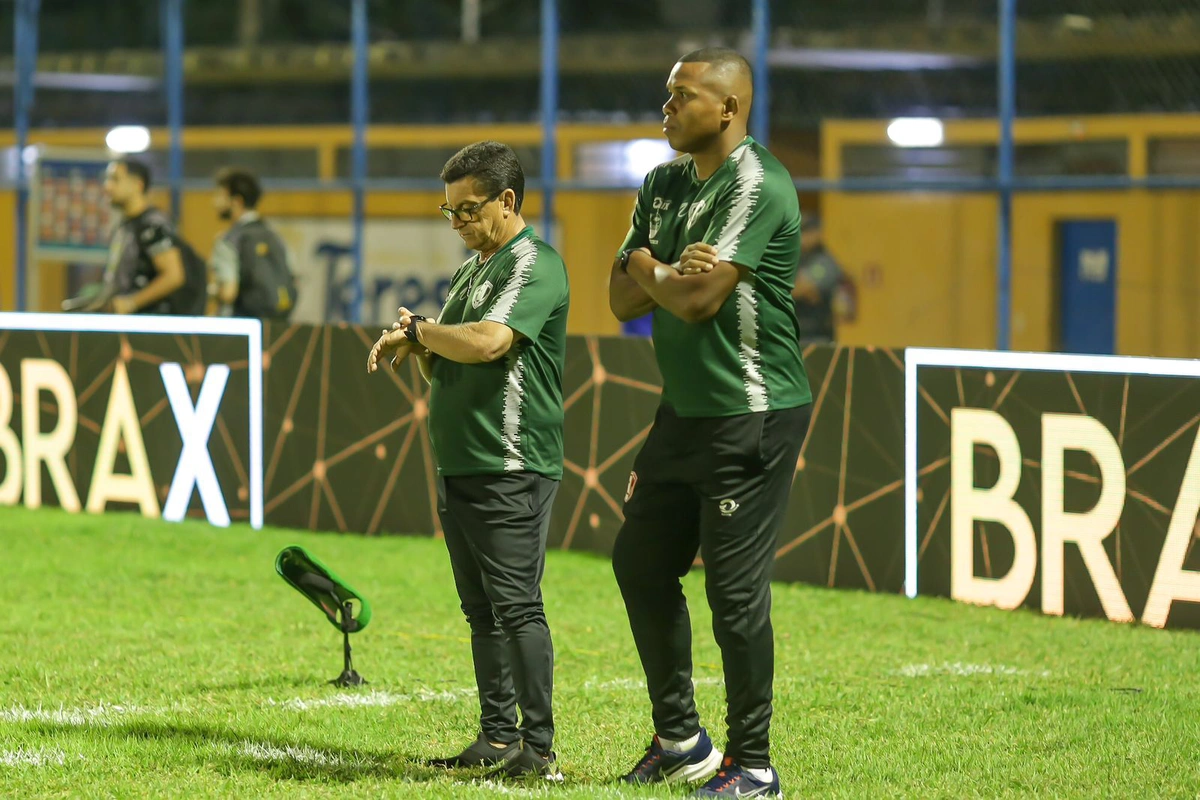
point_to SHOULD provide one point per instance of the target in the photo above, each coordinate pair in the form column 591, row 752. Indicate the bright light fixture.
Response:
column 916, row 132
column 643, row 155
column 128, row 139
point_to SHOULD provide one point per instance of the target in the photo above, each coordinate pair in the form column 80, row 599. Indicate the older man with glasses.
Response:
column 494, row 360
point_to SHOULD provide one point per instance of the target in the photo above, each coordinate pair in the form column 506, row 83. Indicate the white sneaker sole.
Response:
column 693, row 773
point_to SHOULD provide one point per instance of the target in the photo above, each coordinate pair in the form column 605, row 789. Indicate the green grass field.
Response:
column 149, row 659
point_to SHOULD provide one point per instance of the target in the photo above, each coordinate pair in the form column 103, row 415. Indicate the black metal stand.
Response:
column 348, row 677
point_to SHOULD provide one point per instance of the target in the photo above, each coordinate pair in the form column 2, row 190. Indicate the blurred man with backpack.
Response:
column 151, row 269
column 252, row 273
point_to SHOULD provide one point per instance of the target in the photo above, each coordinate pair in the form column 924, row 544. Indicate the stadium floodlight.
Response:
column 128, row 139
column 332, row 595
column 916, row 132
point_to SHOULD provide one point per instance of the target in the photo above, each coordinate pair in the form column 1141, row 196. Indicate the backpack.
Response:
column 268, row 288
column 142, row 236
column 191, row 298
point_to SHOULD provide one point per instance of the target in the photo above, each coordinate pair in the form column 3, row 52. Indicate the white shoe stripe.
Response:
column 694, row 773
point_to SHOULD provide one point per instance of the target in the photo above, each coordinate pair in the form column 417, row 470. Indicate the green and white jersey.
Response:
column 746, row 358
column 507, row 415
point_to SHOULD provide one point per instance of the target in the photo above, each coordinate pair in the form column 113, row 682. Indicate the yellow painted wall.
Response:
column 937, row 258
column 937, row 253
column 934, row 257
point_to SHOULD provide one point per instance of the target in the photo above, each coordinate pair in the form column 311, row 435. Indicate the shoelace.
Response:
column 724, row 773
column 649, row 759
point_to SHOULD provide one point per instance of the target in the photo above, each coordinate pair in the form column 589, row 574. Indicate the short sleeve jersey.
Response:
column 135, row 243
column 745, row 359
column 507, row 415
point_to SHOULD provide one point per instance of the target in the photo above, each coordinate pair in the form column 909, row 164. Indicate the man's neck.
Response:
column 511, row 231
column 710, row 159
column 135, row 207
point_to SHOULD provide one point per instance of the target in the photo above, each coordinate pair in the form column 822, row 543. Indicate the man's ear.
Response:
column 730, row 107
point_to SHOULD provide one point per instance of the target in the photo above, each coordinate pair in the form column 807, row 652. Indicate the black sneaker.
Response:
column 660, row 765
column 734, row 781
column 479, row 753
column 525, row 762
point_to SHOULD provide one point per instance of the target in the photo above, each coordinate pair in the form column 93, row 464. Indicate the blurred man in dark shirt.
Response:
column 817, row 283
column 151, row 269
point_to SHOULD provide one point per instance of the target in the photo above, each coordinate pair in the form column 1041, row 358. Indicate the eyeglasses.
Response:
column 467, row 213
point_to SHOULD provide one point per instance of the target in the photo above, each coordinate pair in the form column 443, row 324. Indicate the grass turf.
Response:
column 149, row 659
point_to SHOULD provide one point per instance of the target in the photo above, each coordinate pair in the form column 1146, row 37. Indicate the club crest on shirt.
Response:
column 694, row 211
column 630, row 487
column 655, row 224
column 480, row 295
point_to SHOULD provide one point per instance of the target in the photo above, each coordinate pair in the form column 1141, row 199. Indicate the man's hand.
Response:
column 406, row 318
column 697, row 258
column 391, row 344
column 123, row 304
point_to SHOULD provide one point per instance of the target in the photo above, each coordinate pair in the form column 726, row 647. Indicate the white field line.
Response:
column 33, row 758
column 105, row 713
column 289, row 754
column 551, row 789
column 373, row 699
column 964, row 670
column 632, row 684
column 101, row 714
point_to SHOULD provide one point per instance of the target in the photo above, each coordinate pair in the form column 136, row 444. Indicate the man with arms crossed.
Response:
column 494, row 360
column 712, row 252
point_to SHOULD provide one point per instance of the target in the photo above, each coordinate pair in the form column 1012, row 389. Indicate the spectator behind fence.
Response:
column 252, row 274
column 151, row 269
column 818, row 281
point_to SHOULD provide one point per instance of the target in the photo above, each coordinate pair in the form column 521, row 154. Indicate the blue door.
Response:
column 1088, row 286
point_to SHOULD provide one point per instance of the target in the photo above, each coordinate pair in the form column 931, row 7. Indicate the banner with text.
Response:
column 1067, row 484
column 155, row 414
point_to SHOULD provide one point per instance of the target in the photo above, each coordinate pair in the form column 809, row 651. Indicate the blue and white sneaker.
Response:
column 660, row 765
column 734, row 781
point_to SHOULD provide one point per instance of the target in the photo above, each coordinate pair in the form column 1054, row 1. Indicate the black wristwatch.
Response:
column 410, row 332
column 625, row 256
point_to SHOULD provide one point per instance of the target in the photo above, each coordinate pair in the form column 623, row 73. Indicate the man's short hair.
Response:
column 720, row 57
column 240, row 183
column 494, row 167
column 138, row 169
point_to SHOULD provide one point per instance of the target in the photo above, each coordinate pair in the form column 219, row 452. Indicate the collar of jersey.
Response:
column 724, row 164
column 525, row 232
